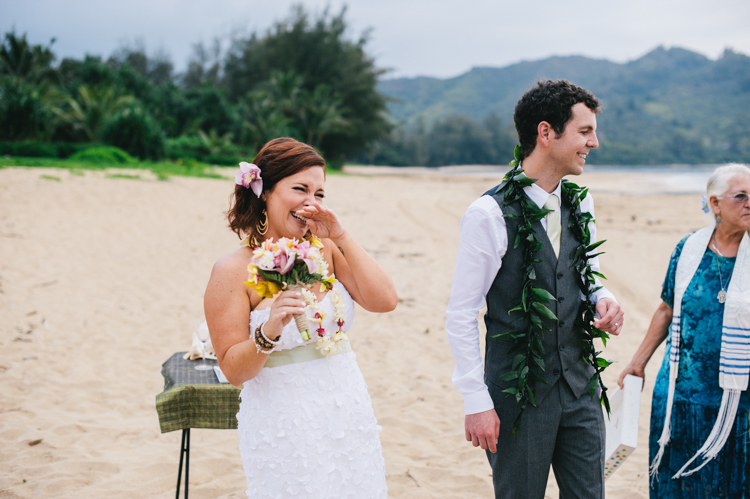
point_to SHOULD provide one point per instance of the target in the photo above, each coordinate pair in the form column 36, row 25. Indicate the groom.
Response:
column 556, row 125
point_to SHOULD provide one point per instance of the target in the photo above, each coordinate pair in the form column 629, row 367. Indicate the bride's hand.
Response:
column 283, row 308
column 322, row 221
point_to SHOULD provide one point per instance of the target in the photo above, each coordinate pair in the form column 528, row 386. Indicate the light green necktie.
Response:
column 553, row 223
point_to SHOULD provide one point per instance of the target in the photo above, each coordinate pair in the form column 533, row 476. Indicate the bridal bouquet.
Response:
column 289, row 264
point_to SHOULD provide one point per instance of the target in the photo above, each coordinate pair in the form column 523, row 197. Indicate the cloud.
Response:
column 411, row 37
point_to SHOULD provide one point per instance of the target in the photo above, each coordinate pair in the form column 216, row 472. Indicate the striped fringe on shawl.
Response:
column 734, row 369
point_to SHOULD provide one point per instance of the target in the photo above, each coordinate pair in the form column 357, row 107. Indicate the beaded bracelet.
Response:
column 263, row 343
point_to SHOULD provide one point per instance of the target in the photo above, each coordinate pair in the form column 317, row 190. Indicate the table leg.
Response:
column 187, row 462
column 184, row 452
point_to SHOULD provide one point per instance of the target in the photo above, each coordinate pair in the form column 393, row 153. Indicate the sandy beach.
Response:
column 101, row 280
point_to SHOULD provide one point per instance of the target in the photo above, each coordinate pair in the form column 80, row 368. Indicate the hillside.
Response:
column 671, row 105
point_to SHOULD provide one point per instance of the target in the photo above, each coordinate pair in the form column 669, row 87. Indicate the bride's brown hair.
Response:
column 278, row 159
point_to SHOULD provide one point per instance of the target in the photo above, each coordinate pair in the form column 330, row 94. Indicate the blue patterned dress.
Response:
column 698, row 394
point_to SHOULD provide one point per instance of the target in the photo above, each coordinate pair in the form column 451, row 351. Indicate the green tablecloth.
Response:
column 195, row 399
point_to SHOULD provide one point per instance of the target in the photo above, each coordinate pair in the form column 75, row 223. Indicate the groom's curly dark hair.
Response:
column 549, row 101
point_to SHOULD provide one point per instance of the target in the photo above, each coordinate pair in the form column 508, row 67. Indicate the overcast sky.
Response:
column 439, row 38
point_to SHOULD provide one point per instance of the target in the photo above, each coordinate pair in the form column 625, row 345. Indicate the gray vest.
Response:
column 562, row 347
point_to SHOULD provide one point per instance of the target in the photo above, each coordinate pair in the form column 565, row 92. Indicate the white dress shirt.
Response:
column 481, row 248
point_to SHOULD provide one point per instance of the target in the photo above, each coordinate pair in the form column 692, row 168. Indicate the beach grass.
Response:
column 162, row 169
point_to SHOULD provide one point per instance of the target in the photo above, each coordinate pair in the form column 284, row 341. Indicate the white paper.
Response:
column 220, row 375
column 622, row 424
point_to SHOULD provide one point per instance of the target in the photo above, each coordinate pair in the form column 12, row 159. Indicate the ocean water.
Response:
column 614, row 179
column 650, row 180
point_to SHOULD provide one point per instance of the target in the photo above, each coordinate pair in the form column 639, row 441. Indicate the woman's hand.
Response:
column 656, row 334
column 283, row 308
column 635, row 370
column 322, row 221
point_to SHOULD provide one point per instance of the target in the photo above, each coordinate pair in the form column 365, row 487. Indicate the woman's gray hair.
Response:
column 718, row 182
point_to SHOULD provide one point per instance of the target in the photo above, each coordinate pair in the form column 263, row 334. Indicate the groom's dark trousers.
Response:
column 566, row 429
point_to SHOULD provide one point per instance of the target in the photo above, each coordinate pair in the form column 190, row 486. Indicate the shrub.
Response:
column 198, row 149
column 42, row 149
column 103, row 154
column 23, row 114
column 185, row 147
column 135, row 131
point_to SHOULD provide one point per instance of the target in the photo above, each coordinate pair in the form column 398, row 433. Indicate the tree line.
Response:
column 303, row 78
column 454, row 140
column 307, row 78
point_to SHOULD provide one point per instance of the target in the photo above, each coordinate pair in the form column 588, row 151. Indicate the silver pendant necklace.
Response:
column 722, row 296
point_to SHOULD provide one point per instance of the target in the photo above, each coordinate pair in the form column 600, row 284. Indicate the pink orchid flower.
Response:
column 284, row 259
column 248, row 176
column 308, row 254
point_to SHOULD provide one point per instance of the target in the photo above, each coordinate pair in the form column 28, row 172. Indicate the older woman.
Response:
column 306, row 424
column 698, row 445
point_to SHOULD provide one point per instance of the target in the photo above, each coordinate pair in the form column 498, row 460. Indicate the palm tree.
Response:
column 282, row 106
column 29, row 63
column 214, row 142
column 262, row 120
column 320, row 114
column 90, row 107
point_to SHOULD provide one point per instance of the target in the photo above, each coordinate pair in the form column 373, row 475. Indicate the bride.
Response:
column 306, row 425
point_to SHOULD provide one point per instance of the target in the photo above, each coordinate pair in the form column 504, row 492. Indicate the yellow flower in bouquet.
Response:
column 265, row 289
column 286, row 263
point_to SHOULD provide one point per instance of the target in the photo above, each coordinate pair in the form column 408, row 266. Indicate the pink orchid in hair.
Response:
column 248, row 176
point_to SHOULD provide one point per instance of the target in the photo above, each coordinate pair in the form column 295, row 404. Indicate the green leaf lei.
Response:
column 527, row 342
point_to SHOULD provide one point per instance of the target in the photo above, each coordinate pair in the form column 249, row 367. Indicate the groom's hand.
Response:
column 611, row 316
column 483, row 429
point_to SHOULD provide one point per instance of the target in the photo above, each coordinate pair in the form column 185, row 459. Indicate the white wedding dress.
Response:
column 307, row 430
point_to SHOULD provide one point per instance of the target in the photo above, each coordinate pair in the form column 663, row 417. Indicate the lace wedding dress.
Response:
column 307, row 430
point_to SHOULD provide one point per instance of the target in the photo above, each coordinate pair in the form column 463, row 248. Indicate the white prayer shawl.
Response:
column 734, row 370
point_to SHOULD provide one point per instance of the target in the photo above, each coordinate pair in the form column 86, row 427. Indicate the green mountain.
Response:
column 669, row 106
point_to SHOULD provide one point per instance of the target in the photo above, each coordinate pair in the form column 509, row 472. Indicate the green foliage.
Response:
column 283, row 107
column 156, row 69
column 135, row 131
column 456, row 140
column 210, row 109
column 162, row 170
column 338, row 75
column 89, row 108
column 303, row 78
column 124, row 175
column 91, row 71
column 24, row 62
column 208, row 148
column 579, row 221
column 23, row 113
column 41, row 149
column 531, row 309
column 103, row 155
column 298, row 275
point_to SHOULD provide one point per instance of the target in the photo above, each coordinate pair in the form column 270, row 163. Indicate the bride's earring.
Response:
column 262, row 226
